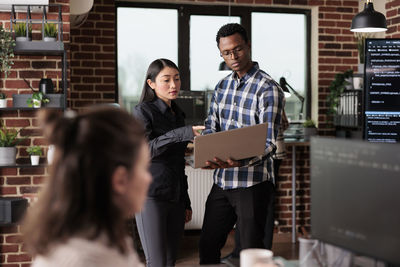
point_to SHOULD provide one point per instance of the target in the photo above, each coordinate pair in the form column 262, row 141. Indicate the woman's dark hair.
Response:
column 230, row 29
column 154, row 69
column 77, row 199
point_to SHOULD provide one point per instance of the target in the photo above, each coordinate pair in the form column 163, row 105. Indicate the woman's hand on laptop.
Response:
column 219, row 164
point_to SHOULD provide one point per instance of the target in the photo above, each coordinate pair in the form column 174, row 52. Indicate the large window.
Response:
column 204, row 53
column 279, row 45
column 139, row 44
column 186, row 35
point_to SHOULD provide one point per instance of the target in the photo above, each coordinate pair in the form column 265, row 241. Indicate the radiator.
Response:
column 200, row 182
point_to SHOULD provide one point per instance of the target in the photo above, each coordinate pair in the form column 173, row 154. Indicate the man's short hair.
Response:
column 230, row 29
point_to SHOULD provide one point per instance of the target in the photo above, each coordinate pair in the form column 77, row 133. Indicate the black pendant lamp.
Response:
column 368, row 20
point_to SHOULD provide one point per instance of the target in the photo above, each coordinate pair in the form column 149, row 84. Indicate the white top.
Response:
column 80, row 252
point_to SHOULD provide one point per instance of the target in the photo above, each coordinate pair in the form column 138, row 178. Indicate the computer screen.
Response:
column 382, row 90
column 195, row 105
column 355, row 196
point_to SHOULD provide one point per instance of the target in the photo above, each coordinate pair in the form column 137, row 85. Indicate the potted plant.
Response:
column 50, row 32
column 8, row 141
column 6, row 51
column 20, row 32
column 37, row 99
column 337, row 87
column 35, row 152
column 3, row 100
column 310, row 129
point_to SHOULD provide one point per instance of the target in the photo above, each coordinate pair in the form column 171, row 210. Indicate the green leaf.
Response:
column 336, row 88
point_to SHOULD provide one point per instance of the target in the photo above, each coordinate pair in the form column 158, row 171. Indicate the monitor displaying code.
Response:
column 355, row 200
column 382, row 90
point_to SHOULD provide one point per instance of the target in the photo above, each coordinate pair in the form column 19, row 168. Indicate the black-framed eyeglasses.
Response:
column 236, row 52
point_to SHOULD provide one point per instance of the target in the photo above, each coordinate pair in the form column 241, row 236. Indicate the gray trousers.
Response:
column 160, row 226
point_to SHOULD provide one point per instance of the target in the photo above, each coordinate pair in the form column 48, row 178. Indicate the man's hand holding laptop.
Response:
column 219, row 164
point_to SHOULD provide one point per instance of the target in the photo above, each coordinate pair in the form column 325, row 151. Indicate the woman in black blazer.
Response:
column 161, row 222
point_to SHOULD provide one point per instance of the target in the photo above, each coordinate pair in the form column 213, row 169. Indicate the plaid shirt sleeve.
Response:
column 212, row 121
column 270, row 111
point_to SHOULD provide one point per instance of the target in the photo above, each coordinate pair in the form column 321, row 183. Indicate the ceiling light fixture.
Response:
column 368, row 20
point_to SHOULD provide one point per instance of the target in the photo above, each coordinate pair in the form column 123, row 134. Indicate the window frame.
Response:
column 244, row 12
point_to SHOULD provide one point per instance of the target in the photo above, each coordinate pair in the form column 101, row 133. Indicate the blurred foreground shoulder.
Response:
column 80, row 252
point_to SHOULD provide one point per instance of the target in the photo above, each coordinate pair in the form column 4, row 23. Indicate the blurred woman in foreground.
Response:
column 98, row 179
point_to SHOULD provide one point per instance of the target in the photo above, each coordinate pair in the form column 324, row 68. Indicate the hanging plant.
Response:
column 7, row 44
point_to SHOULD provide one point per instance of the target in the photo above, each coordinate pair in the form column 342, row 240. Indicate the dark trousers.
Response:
column 269, row 224
column 160, row 225
column 247, row 207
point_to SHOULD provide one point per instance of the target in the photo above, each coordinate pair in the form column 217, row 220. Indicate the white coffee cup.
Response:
column 357, row 83
column 252, row 256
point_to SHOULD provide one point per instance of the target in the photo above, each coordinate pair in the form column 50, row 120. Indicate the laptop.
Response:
column 237, row 144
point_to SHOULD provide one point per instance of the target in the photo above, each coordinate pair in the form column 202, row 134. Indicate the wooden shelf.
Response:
column 27, row 108
column 42, row 165
column 39, row 47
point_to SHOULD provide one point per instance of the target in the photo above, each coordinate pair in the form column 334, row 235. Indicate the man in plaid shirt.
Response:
column 241, row 189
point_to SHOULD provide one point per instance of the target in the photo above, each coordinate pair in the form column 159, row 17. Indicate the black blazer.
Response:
column 168, row 137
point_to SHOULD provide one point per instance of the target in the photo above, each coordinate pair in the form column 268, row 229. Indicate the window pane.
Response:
column 279, row 46
column 143, row 34
column 204, row 53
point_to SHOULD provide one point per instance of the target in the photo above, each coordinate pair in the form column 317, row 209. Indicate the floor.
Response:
column 189, row 255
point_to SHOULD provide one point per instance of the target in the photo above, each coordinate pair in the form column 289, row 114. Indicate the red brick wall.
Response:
column 93, row 57
column 393, row 19
column 25, row 182
column 283, row 204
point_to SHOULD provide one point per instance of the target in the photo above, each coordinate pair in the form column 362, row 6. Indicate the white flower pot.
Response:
column 8, row 155
column 36, row 103
column 23, row 39
column 35, row 159
column 49, row 39
column 3, row 103
column 358, row 83
column 50, row 154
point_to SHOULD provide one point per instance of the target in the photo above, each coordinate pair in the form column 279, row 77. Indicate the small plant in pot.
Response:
column 8, row 141
column 3, row 100
column 50, row 32
column 310, row 129
column 336, row 88
column 35, row 152
column 20, row 32
column 37, row 99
